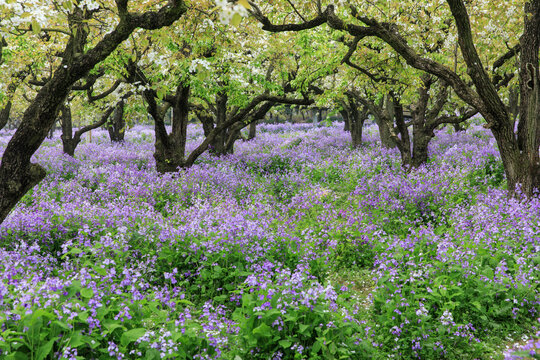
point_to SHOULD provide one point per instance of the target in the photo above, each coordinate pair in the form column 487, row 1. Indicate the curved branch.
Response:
column 93, row 98
column 268, row 26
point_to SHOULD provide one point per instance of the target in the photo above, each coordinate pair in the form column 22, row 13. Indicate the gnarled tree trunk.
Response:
column 170, row 149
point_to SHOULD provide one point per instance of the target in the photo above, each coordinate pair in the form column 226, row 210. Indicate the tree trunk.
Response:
column 384, row 129
column 346, row 122
column 522, row 162
column 405, row 148
column 217, row 146
column 68, row 143
column 355, row 119
column 421, row 140
column 356, row 133
column 4, row 114
column 252, row 130
column 513, row 102
column 117, row 127
column 170, row 149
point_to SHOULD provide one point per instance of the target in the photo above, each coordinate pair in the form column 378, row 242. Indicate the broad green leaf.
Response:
column 285, row 343
column 131, row 335
column 236, row 19
column 87, row 293
column 263, row 330
column 45, row 350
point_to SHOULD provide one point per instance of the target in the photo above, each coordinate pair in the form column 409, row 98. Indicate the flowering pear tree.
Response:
column 207, row 69
column 88, row 31
column 485, row 59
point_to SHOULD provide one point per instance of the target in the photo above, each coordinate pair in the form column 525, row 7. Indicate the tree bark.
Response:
column 4, row 114
column 68, row 143
column 252, row 130
column 117, row 127
column 218, row 145
column 345, row 115
column 170, row 149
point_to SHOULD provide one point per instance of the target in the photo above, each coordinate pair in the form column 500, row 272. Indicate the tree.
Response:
column 210, row 71
column 17, row 173
column 480, row 88
column 354, row 114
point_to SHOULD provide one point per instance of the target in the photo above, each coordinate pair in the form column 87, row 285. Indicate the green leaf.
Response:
column 87, row 293
column 131, row 335
column 303, row 329
column 111, row 325
column 76, row 339
column 236, row 19
column 263, row 330
column 160, row 93
column 45, row 350
column 332, row 348
column 100, row 271
column 285, row 343
column 477, row 305
column 245, row 3
column 316, row 347
column 152, row 354
column 36, row 27
column 83, row 315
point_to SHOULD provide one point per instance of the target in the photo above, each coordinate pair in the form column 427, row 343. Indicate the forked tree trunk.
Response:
column 170, row 149
column 71, row 140
column 523, row 166
column 404, row 145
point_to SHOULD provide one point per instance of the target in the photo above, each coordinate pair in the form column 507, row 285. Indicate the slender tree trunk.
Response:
column 117, row 127
column 346, row 122
column 4, row 114
column 252, row 130
column 385, row 122
column 217, row 146
column 405, row 148
column 68, row 143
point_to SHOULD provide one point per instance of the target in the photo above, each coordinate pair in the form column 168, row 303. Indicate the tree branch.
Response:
column 93, row 98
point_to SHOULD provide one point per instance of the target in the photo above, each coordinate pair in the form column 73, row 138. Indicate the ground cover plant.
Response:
column 298, row 246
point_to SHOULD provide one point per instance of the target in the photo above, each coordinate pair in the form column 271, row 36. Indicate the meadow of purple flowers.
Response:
column 296, row 247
